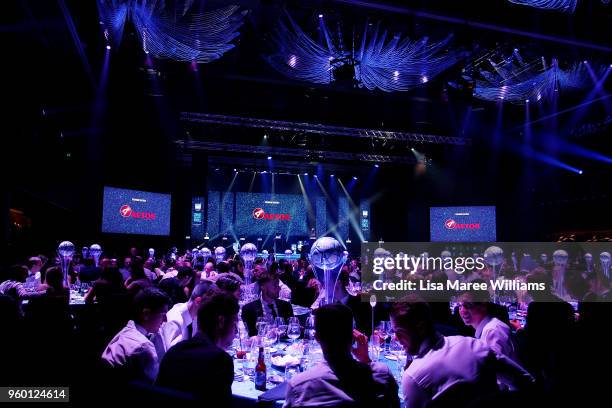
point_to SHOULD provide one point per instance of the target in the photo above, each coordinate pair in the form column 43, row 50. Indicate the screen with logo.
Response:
column 135, row 212
column 264, row 214
column 462, row 224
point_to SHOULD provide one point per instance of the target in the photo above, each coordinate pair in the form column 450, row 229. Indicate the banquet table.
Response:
column 245, row 394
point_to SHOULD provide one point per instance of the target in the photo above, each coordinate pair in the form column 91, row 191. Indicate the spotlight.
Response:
column 269, row 157
column 320, row 15
column 264, row 172
column 316, row 176
column 354, row 177
column 526, row 100
column 610, row 65
column 265, row 136
column 235, row 170
column 331, row 175
column 579, row 171
column 108, row 47
column 424, row 79
column 585, row 61
column 377, row 165
column 305, row 174
column 147, row 52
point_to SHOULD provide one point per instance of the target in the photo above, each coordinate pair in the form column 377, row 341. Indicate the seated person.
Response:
column 109, row 284
column 200, row 365
column 89, row 272
column 178, row 287
column 34, row 278
column 181, row 319
column 340, row 380
column 268, row 305
column 229, row 283
column 439, row 364
column 135, row 351
column 474, row 311
column 14, row 287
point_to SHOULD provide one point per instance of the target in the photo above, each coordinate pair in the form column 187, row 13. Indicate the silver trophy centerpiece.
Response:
column 327, row 255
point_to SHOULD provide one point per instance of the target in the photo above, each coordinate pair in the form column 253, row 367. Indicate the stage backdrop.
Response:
column 466, row 224
column 135, row 212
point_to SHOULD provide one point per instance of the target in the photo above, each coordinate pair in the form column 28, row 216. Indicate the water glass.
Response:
column 291, row 371
column 293, row 331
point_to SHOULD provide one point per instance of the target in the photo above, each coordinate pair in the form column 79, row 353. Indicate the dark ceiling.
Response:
column 77, row 132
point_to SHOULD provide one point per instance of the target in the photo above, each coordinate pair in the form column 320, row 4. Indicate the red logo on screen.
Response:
column 260, row 214
column 452, row 224
column 126, row 211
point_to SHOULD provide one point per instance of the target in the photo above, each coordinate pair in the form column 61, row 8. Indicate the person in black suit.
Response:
column 268, row 304
column 200, row 365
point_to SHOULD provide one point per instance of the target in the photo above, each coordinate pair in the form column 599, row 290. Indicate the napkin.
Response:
column 276, row 393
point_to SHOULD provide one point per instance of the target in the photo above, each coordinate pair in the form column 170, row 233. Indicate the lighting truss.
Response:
column 566, row 6
column 292, row 152
column 382, row 60
column 514, row 80
column 173, row 32
column 320, row 129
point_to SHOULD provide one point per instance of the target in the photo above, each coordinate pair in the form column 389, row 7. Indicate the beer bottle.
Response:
column 260, row 371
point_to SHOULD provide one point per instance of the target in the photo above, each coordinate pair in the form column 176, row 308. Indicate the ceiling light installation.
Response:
column 174, row 32
column 375, row 60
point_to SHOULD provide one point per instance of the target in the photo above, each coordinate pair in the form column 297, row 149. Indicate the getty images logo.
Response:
column 126, row 211
column 452, row 224
column 260, row 214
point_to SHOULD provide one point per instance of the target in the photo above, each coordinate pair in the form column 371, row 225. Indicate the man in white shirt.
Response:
column 339, row 380
column 136, row 350
column 34, row 276
column 438, row 364
column 474, row 309
column 181, row 321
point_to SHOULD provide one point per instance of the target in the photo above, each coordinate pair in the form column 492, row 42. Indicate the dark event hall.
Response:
column 306, row 203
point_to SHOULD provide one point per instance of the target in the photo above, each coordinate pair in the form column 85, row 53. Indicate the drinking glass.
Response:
column 384, row 331
column 309, row 328
column 293, row 331
column 249, row 365
column 261, row 325
column 281, row 327
column 291, row 371
column 271, row 337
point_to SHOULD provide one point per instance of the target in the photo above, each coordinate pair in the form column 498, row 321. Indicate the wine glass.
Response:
column 309, row 328
column 384, row 331
column 281, row 326
column 271, row 337
column 261, row 325
column 396, row 349
column 293, row 330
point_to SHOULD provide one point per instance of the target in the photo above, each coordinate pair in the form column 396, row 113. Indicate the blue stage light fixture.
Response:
column 516, row 81
column 566, row 6
column 377, row 61
column 174, row 32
